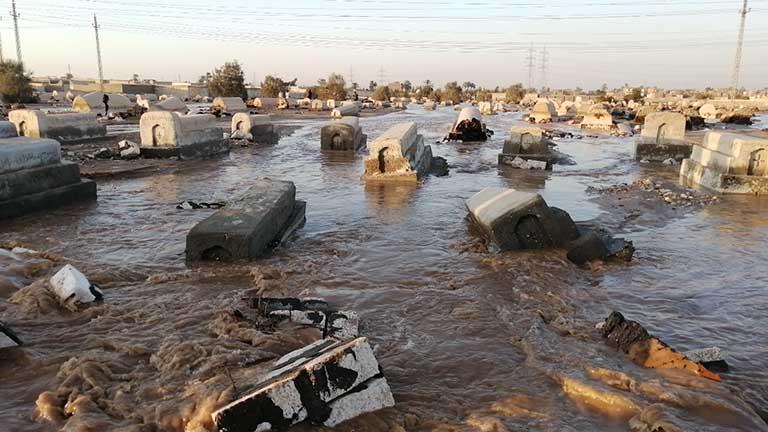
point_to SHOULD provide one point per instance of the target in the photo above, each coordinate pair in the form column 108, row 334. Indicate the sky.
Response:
column 584, row 43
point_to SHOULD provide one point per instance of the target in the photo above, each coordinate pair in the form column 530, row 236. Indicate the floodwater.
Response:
column 469, row 339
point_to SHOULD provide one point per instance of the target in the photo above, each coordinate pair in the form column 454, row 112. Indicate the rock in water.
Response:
column 71, row 285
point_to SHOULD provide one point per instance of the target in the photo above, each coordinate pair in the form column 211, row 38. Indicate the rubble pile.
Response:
column 669, row 196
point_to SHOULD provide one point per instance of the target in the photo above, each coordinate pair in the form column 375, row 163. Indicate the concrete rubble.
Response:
column 648, row 351
column 33, row 177
column 341, row 325
column 711, row 358
column 8, row 339
column 257, row 128
column 399, row 154
column 325, row 383
column 469, row 127
column 167, row 134
column 344, row 134
column 129, row 149
column 728, row 163
column 228, row 106
column 250, row 225
column 72, row 287
column 663, row 138
column 63, row 127
column 515, row 220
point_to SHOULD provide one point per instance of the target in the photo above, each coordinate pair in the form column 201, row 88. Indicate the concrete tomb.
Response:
column 228, row 105
column 249, row 226
column 469, row 127
column 728, row 163
column 8, row 130
column 257, row 128
column 708, row 111
column 8, row 338
column 527, row 143
column 70, row 285
column 343, row 134
column 398, row 154
column 346, row 110
column 663, row 138
column 94, row 103
column 543, row 111
column 317, row 105
column 33, row 177
column 567, row 109
column 65, row 127
column 598, row 118
column 485, row 108
column 430, row 105
column 168, row 134
column 325, row 383
column 266, row 103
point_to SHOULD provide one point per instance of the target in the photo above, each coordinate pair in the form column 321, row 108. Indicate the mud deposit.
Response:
column 469, row 340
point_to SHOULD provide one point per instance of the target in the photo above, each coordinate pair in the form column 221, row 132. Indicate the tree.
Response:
column 272, row 86
column 228, row 81
column 15, row 82
column 337, row 87
column 372, row 85
column 452, row 92
column 515, row 93
column 407, row 86
column 382, row 93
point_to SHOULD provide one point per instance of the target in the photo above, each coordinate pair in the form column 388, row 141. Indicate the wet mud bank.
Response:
column 468, row 339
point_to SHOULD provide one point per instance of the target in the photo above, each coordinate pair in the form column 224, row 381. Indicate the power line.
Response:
column 16, row 30
column 98, row 53
column 739, row 45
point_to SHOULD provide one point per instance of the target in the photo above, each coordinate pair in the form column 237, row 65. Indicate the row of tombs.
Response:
column 338, row 376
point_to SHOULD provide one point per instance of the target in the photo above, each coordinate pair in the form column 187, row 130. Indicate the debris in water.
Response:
column 8, row 338
column 191, row 205
column 712, row 358
column 71, row 286
column 317, row 313
column 469, row 127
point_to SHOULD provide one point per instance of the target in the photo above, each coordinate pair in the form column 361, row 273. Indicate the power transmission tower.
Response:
column 351, row 76
column 16, row 29
column 544, row 66
column 737, row 61
column 531, row 58
column 98, row 53
column 381, row 75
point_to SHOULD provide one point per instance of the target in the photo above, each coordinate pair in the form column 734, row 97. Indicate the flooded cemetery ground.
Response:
column 469, row 339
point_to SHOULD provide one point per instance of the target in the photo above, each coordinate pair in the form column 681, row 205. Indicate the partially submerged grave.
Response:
column 544, row 111
column 257, row 128
column 528, row 144
column 728, row 163
column 343, row 134
column 515, row 220
column 469, row 127
column 250, row 225
column 167, row 134
column 398, row 154
column 346, row 110
column 64, row 128
column 325, row 383
column 33, row 177
column 94, row 103
column 663, row 138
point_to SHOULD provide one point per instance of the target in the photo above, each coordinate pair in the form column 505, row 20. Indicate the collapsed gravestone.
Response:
column 515, row 220
column 645, row 350
column 469, row 127
column 317, row 313
column 260, row 219
column 258, row 128
column 33, row 177
column 728, row 163
column 228, row 105
column 526, row 143
column 346, row 110
column 325, row 383
column 167, row 134
column 8, row 338
column 663, row 138
column 343, row 134
column 398, row 154
column 64, row 127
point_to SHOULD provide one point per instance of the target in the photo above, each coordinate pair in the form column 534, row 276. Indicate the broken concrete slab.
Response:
column 260, row 127
column 516, row 220
column 167, row 134
column 646, row 350
column 728, row 163
column 595, row 243
column 313, row 312
column 327, row 383
column 711, row 358
column 71, row 286
column 399, row 154
column 344, row 134
column 469, row 127
column 62, row 127
column 8, row 339
column 250, row 225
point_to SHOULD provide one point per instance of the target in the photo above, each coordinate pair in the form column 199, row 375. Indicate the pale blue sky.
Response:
column 681, row 43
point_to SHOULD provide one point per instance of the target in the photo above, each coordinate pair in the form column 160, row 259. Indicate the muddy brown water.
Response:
column 458, row 329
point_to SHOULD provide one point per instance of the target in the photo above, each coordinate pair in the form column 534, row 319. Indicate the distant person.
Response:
column 106, row 104
column 354, row 95
column 309, row 94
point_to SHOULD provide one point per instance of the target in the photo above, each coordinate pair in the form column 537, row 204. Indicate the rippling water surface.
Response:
column 458, row 330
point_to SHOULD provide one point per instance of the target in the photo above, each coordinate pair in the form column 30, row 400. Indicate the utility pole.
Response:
column 381, row 75
column 98, row 53
column 737, row 62
column 531, row 58
column 543, row 69
column 16, row 29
